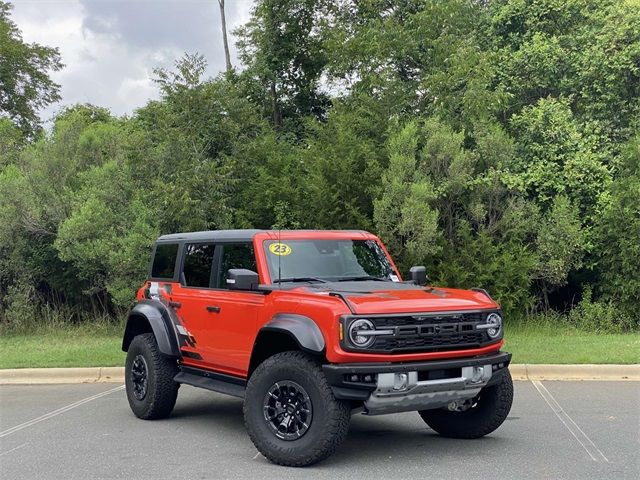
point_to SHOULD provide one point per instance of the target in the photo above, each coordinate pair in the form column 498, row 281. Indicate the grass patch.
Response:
column 531, row 343
column 66, row 346
column 99, row 345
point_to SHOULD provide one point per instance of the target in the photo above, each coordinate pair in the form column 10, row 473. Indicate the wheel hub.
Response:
column 287, row 410
column 139, row 377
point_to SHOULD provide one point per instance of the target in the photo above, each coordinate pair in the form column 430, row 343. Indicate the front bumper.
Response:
column 401, row 387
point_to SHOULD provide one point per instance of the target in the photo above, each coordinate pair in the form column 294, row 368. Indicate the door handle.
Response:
column 213, row 309
column 175, row 304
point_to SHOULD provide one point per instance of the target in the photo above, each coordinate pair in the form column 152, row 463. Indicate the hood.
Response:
column 387, row 297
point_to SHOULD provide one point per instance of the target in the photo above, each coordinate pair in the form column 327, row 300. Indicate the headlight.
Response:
column 494, row 325
column 357, row 327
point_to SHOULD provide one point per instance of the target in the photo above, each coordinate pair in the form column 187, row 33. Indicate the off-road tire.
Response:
column 161, row 390
column 493, row 406
column 329, row 424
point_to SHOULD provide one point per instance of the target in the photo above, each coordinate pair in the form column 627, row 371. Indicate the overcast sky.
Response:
column 110, row 47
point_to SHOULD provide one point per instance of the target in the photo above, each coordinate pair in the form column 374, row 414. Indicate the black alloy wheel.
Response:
column 288, row 410
column 139, row 374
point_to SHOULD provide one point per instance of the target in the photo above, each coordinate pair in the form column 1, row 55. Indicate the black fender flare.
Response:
column 303, row 330
column 159, row 318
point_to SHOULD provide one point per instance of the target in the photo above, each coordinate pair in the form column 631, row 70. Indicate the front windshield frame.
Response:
column 377, row 266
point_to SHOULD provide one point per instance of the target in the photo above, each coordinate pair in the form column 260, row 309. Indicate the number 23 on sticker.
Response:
column 280, row 249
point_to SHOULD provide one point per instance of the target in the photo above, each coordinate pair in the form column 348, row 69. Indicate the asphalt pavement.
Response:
column 556, row 430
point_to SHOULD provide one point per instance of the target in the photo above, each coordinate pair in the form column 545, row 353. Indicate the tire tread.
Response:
column 164, row 395
column 338, row 412
column 474, row 424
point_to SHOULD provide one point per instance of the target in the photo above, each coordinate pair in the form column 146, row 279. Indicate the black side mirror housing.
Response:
column 418, row 275
column 242, row 279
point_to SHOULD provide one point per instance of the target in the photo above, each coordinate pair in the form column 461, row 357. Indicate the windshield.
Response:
column 327, row 260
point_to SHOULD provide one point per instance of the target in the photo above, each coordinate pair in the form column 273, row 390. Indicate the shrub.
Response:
column 599, row 316
column 21, row 306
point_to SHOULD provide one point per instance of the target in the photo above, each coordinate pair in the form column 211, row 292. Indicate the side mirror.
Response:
column 242, row 279
column 418, row 275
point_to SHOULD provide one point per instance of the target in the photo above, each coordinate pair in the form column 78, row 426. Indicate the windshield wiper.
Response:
column 361, row 278
column 299, row 279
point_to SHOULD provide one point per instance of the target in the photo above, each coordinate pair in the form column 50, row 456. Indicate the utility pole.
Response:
column 227, row 57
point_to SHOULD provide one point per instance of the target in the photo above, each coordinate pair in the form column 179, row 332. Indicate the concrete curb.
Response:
column 575, row 372
column 35, row 376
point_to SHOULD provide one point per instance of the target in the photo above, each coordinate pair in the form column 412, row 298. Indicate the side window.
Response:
column 236, row 256
column 164, row 261
column 198, row 261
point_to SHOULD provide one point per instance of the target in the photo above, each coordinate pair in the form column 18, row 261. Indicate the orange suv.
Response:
column 310, row 327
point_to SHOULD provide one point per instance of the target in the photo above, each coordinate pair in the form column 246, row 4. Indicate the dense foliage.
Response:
column 496, row 142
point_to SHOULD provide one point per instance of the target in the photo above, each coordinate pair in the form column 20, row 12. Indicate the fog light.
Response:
column 400, row 381
column 476, row 376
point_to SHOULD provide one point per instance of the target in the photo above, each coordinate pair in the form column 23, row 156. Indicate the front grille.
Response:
column 419, row 343
column 429, row 332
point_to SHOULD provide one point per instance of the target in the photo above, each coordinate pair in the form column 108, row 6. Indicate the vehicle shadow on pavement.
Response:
column 385, row 438
column 210, row 410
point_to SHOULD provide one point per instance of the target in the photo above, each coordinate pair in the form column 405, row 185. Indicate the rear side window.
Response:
column 236, row 256
column 198, row 261
column 164, row 261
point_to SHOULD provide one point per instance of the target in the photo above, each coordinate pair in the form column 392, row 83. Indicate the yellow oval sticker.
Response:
column 280, row 249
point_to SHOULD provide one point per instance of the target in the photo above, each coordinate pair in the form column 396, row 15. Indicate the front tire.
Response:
column 290, row 412
column 151, row 390
column 479, row 417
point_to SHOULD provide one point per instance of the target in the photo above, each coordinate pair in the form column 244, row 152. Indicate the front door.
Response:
column 237, row 311
column 221, row 322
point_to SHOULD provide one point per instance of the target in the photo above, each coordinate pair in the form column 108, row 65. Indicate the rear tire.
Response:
column 290, row 412
column 487, row 412
column 151, row 390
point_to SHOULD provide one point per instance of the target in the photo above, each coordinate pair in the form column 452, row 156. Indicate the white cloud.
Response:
column 110, row 48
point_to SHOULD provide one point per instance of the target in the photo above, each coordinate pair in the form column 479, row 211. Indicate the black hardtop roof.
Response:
column 245, row 235
column 211, row 235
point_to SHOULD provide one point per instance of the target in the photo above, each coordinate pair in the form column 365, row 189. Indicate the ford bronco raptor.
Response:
column 310, row 327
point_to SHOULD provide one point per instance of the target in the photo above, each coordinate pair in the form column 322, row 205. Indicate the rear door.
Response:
column 190, row 299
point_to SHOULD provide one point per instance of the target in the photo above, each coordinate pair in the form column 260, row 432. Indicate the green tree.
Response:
column 11, row 141
column 583, row 51
column 560, row 245
column 555, row 158
column 283, row 50
column 37, row 193
column 618, row 231
column 108, row 235
column 185, row 151
column 25, row 85
column 342, row 164
column 396, row 52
